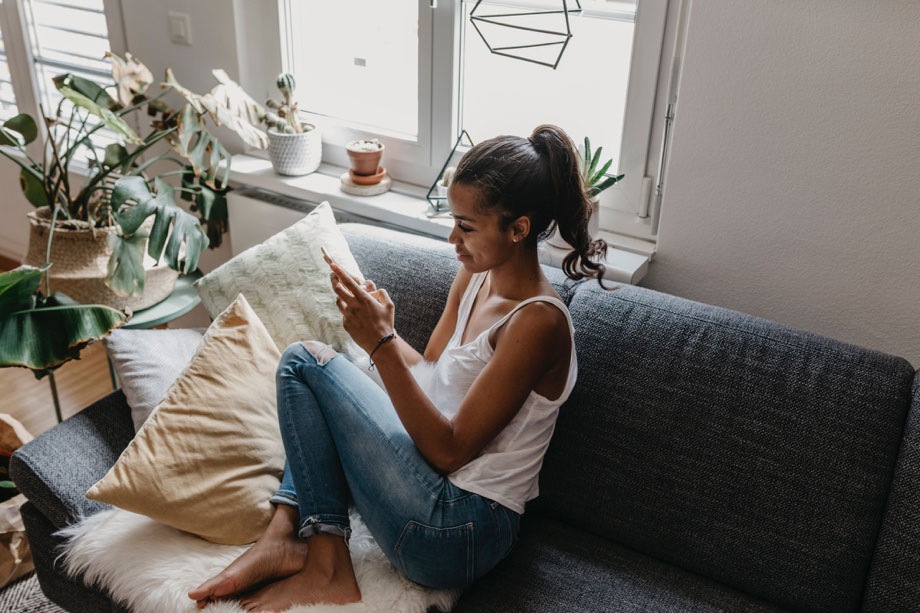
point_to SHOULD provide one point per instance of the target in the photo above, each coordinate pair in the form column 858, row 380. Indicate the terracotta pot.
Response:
column 364, row 161
column 295, row 154
column 80, row 258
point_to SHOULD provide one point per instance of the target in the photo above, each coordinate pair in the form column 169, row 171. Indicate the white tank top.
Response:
column 507, row 469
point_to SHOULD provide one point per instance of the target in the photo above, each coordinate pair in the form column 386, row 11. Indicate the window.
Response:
column 66, row 37
column 414, row 74
column 44, row 38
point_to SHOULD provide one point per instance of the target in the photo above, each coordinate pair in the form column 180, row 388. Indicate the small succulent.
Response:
column 596, row 179
column 284, row 119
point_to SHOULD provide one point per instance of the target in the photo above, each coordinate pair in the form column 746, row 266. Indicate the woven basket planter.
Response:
column 80, row 257
column 295, row 154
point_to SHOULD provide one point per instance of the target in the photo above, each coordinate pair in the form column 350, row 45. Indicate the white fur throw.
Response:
column 148, row 566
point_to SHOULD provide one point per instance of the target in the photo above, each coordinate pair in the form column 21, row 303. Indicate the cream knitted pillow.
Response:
column 286, row 281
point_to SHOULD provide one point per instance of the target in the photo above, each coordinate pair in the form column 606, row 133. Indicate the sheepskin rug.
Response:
column 148, row 566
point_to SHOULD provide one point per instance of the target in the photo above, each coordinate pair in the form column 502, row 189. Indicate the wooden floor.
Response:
column 79, row 382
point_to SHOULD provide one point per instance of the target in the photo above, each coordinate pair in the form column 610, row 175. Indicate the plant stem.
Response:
column 54, row 215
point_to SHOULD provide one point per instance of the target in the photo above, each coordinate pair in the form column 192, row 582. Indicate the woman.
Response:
column 440, row 471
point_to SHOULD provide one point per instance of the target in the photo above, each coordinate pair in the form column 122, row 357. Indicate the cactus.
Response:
column 285, row 118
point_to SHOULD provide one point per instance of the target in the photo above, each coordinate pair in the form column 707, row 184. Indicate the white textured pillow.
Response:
column 286, row 281
column 147, row 362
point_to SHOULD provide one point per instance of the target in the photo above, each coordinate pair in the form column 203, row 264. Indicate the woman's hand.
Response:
column 367, row 312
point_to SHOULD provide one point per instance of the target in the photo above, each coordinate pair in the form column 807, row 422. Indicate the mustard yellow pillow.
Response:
column 210, row 456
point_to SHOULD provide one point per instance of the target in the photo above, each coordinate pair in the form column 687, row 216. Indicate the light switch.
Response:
column 180, row 28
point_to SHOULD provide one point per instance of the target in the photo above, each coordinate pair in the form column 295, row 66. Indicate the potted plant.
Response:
column 294, row 147
column 124, row 207
column 444, row 181
column 364, row 160
column 596, row 180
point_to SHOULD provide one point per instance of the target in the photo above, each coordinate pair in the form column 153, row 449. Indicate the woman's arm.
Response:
column 523, row 355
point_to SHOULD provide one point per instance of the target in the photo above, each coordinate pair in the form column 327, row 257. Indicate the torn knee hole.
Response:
column 321, row 351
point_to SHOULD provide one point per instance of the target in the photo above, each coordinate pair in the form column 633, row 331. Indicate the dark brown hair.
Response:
column 538, row 177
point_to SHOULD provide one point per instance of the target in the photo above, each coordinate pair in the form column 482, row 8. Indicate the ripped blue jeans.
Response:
column 346, row 445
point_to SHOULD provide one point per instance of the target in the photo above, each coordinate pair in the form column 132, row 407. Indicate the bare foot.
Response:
column 328, row 577
column 278, row 553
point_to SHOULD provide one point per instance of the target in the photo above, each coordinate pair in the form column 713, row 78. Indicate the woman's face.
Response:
column 480, row 242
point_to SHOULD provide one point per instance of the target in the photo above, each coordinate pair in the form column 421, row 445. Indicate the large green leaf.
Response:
column 18, row 131
column 202, row 149
column 173, row 227
column 96, row 101
column 33, row 188
column 116, row 155
column 134, row 190
column 211, row 204
column 44, row 338
column 126, row 274
column 18, row 288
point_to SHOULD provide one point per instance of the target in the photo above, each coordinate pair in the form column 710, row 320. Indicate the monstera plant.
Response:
column 135, row 179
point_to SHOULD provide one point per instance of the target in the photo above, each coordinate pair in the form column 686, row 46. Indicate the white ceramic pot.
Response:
column 295, row 154
column 594, row 224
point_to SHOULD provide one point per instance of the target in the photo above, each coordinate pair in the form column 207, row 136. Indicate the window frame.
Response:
column 625, row 208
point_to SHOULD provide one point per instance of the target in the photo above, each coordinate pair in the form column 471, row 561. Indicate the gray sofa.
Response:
column 706, row 461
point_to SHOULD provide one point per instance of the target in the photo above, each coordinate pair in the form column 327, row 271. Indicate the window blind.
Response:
column 7, row 97
column 66, row 36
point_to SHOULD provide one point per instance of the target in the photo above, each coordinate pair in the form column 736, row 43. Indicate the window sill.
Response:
column 404, row 206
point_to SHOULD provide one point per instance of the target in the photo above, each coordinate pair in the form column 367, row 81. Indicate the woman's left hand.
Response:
column 367, row 312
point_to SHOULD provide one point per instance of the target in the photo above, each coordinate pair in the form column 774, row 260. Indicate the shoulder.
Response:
column 539, row 322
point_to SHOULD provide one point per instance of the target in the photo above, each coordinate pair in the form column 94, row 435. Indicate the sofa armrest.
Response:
column 56, row 468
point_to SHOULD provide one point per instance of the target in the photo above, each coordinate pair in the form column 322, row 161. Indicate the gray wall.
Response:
column 794, row 173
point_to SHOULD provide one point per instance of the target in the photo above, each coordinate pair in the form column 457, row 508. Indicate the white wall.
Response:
column 792, row 191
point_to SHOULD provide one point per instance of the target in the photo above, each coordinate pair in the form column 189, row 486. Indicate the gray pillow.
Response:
column 147, row 362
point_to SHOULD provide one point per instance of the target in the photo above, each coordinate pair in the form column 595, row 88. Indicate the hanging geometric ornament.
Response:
column 533, row 36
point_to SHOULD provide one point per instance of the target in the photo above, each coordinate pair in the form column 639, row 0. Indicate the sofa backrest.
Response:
column 731, row 446
column 894, row 579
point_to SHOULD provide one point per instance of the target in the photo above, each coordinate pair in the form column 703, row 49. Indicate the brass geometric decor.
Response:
column 533, row 36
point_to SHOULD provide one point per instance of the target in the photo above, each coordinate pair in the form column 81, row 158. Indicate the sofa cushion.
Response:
column 558, row 568
column 147, row 362
column 210, row 457
column 286, row 280
column 733, row 447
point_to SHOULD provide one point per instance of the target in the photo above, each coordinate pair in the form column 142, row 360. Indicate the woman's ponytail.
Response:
column 573, row 206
